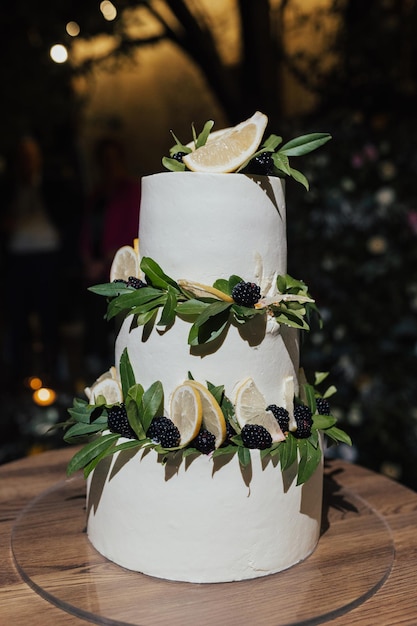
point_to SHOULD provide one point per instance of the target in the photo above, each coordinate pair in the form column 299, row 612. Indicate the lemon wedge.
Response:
column 204, row 291
column 250, row 409
column 229, row 149
column 186, row 412
column 110, row 388
column 213, row 418
column 125, row 263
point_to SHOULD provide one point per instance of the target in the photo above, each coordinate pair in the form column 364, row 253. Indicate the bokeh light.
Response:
column 108, row 10
column 73, row 29
column 44, row 396
column 58, row 53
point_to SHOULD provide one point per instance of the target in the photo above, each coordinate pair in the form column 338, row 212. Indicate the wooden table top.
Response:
column 393, row 604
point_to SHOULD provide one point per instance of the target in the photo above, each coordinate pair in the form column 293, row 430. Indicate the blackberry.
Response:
column 135, row 282
column 281, row 415
column 118, row 423
column 163, row 430
column 205, row 442
column 255, row 436
column 246, row 294
column 304, row 420
column 178, row 156
column 120, row 280
column 322, row 406
column 262, row 164
column 230, row 431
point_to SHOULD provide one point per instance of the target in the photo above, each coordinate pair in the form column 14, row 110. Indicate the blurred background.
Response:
column 90, row 92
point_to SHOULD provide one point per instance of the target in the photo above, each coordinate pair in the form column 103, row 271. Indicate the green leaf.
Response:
column 179, row 146
column 133, row 407
column 310, row 397
column 292, row 320
column 153, row 403
column 168, row 312
column 319, row 377
column 299, row 177
column 323, row 422
column 211, row 311
column 191, row 308
column 201, row 139
column 209, row 331
column 81, row 411
column 210, row 324
column 110, row 290
column 244, row 313
column 222, row 285
column 304, row 144
column 151, row 305
column 127, row 375
column 271, row 143
column 330, row 391
column 90, row 451
column 173, row 165
column 244, row 456
column 82, row 430
column 310, row 458
column 155, row 275
column 288, row 452
column 217, row 391
column 233, row 281
column 137, row 298
column 143, row 318
column 338, row 435
column 224, row 450
column 281, row 162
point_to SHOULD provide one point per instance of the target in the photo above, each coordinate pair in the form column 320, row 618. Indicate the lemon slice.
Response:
column 288, row 384
column 186, row 412
column 204, row 291
column 125, row 264
column 111, row 373
column 110, row 388
column 213, row 418
column 229, row 149
column 250, row 409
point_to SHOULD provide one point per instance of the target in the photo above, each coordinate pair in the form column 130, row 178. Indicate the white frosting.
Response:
column 207, row 226
column 198, row 525
column 202, row 227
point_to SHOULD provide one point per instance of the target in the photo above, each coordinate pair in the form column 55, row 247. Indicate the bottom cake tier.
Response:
column 204, row 520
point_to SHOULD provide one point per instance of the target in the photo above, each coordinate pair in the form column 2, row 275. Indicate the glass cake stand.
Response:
column 51, row 550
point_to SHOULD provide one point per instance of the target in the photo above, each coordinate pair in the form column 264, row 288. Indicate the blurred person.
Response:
column 32, row 246
column 111, row 220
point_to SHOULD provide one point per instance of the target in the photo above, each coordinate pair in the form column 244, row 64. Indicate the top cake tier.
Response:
column 203, row 227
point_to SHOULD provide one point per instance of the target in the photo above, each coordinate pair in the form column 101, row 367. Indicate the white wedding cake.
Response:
column 208, row 464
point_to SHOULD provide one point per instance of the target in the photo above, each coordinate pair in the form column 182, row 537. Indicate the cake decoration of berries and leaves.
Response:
column 241, row 149
column 212, row 425
column 210, row 309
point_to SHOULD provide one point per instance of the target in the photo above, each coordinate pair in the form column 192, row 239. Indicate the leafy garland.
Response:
column 210, row 310
column 142, row 406
column 280, row 155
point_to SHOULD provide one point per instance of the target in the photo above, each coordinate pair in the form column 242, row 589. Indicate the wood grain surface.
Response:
column 386, row 532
